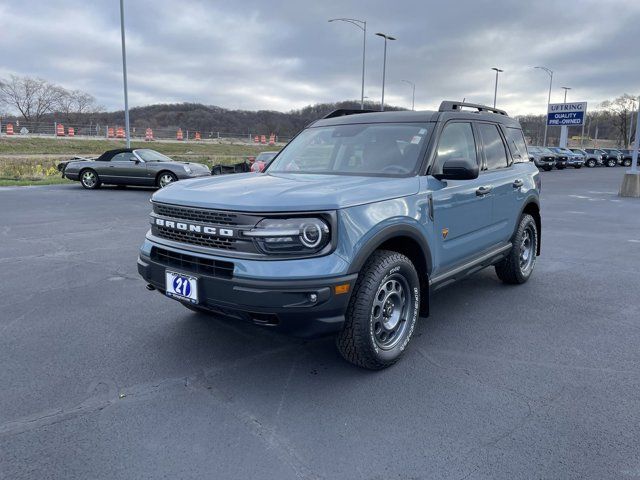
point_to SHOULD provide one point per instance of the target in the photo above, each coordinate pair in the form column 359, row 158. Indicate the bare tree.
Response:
column 32, row 97
column 620, row 110
column 73, row 104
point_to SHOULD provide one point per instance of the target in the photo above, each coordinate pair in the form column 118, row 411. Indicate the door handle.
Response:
column 518, row 183
column 481, row 191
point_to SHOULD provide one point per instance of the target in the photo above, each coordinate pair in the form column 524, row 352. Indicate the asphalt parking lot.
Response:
column 103, row 379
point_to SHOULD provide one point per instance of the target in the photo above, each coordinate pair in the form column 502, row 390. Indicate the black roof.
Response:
column 448, row 110
column 109, row 154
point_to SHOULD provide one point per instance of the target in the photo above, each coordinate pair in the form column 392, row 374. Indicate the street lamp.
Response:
column 495, row 91
column 124, row 76
column 362, row 25
column 413, row 95
column 384, row 64
column 550, row 73
column 565, row 93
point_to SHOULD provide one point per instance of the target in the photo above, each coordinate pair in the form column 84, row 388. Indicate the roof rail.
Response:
column 345, row 111
column 452, row 105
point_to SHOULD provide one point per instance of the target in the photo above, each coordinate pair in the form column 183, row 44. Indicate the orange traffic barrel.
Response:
column 111, row 132
column 60, row 130
column 72, row 131
column 120, row 132
column 148, row 135
column 179, row 134
column 9, row 128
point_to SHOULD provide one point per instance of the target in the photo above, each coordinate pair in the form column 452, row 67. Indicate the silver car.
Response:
column 127, row 166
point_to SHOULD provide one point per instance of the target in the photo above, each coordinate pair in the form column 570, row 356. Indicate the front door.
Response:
column 127, row 169
column 461, row 208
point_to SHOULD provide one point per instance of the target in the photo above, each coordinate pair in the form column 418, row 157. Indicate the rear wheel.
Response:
column 627, row 162
column 611, row 162
column 517, row 267
column 591, row 163
column 90, row 179
column 165, row 178
column 382, row 312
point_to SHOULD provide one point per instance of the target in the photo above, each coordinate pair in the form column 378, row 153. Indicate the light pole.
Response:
column 495, row 91
column 633, row 106
column 564, row 129
column 550, row 73
column 124, row 76
column 413, row 94
column 384, row 64
column 566, row 89
column 362, row 25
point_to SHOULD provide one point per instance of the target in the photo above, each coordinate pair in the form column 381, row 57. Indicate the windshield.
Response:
column 383, row 149
column 152, row 156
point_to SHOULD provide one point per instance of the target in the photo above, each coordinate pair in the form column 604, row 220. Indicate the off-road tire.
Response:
column 358, row 341
column 509, row 269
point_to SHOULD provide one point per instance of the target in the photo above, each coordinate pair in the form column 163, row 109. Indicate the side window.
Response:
column 121, row 157
column 494, row 152
column 517, row 145
column 456, row 142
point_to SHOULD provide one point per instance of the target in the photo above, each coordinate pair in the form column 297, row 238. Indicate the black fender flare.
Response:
column 389, row 233
column 531, row 199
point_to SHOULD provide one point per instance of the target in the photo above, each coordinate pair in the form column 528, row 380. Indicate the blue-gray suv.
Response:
column 352, row 226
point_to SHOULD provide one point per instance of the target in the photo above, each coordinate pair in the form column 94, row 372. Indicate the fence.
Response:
column 99, row 131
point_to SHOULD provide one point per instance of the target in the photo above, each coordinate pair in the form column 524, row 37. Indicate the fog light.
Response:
column 313, row 298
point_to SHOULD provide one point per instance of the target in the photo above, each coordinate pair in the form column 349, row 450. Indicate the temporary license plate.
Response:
column 181, row 286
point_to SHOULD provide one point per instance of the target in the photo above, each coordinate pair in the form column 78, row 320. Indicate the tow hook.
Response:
column 150, row 287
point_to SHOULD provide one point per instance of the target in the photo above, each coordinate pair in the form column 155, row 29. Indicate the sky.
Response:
column 284, row 55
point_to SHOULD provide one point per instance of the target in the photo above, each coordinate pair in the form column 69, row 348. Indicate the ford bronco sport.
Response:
column 352, row 226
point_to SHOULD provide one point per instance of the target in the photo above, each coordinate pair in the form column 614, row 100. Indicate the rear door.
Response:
column 498, row 171
column 461, row 211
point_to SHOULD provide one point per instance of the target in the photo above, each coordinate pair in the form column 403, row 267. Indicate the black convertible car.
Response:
column 130, row 166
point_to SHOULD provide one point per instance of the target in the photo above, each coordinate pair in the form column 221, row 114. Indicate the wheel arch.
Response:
column 408, row 241
column 532, row 207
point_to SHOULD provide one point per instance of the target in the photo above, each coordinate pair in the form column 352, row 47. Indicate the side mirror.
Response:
column 458, row 169
column 135, row 160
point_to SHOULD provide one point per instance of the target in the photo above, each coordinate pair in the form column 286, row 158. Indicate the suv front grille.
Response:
column 196, row 214
column 195, row 238
column 191, row 263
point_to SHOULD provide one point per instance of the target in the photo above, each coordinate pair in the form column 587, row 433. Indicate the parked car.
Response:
column 627, row 157
column 262, row 160
column 127, row 166
column 352, row 225
column 561, row 159
column 224, row 169
column 575, row 160
column 614, row 157
column 591, row 159
column 607, row 160
column 542, row 157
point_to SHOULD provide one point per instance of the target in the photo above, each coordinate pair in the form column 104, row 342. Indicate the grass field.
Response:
column 28, row 161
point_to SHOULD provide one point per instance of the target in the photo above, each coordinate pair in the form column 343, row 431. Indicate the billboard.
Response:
column 566, row 114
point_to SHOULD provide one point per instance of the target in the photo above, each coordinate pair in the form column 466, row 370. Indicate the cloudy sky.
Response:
column 281, row 55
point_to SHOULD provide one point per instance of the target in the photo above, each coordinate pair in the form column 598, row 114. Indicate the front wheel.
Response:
column 548, row 169
column 382, row 312
column 611, row 163
column 165, row 178
column 89, row 179
column 517, row 267
column 591, row 163
column 627, row 162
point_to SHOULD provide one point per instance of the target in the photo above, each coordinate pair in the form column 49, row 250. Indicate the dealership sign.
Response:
column 561, row 114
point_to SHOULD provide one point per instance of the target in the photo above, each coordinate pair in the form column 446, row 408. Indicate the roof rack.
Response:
column 452, row 106
column 345, row 111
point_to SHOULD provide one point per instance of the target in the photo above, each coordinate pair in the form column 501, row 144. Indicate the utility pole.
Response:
column 413, row 95
column 495, row 90
column 124, row 76
column 362, row 25
column 550, row 73
column 384, row 64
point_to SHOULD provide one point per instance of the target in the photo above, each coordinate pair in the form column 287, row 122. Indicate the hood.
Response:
column 287, row 192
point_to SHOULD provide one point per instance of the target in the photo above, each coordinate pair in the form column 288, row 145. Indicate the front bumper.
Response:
column 285, row 305
column 576, row 161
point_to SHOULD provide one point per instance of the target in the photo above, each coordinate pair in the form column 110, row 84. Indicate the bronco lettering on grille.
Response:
column 192, row 227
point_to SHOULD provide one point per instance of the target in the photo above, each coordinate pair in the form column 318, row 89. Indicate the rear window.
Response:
column 517, row 145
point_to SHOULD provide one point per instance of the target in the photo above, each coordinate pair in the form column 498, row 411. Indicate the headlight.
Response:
column 291, row 235
column 187, row 168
